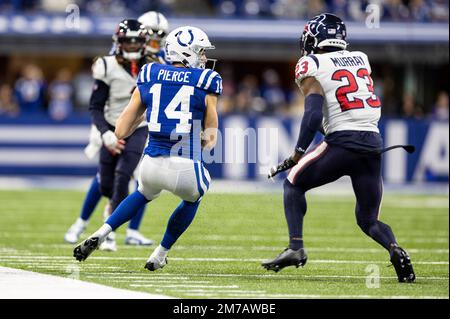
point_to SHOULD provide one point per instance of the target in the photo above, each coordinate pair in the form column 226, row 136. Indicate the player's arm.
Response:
column 312, row 117
column 131, row 117
column 211, row 122
column 100, row 94
column 311, row 123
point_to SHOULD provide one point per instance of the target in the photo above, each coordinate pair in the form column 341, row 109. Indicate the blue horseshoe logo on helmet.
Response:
column 190, row 41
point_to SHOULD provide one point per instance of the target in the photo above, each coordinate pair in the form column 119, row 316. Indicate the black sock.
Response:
column 294, row 210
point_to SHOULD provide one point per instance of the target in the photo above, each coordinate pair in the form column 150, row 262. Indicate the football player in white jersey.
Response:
column 115, row 77
column 339, row 101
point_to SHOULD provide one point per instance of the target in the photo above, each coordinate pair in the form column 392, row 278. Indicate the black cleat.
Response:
column 83, row 250
column 287, row 258
column 402, row 264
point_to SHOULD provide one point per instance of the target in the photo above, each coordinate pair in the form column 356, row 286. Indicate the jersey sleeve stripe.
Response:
column 141, row 76
column 211, row 77
column 149, row 68
column 315, row 59
column 202, row 78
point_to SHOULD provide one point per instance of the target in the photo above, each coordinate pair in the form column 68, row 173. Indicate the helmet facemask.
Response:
column 131, row 48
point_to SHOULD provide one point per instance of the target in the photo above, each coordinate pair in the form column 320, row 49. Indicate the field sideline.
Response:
column 220, row 255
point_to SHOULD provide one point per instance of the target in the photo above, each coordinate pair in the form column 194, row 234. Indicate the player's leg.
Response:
column 134, row 237
column 90, row 202
column 368, row 187
column 320, row 166
column 191, row 182
column 126, row 210
column 127, row 162
column 107, row 167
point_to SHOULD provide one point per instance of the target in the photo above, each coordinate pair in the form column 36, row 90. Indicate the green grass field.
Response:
column 220, row 254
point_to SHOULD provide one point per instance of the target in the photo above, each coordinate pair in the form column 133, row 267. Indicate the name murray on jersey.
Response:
column 348, row 61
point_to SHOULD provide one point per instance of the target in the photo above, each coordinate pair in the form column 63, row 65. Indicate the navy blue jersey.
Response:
column 175, row 101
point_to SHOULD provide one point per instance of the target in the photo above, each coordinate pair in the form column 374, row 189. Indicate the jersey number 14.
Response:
column 183, row 115
column 352, row 87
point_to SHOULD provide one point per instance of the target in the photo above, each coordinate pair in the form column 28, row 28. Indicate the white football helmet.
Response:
column 187, row 45
column 157, row 27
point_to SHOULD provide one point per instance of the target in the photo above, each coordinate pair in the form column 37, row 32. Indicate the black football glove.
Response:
column 284, row 166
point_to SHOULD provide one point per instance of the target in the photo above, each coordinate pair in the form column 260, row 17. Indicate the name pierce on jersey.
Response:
column 348, row 61
column 173, row 76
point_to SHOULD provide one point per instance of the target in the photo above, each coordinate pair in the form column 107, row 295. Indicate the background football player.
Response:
column 110, row 72
column 339, row 95
column 157, row 27
column 172, row 160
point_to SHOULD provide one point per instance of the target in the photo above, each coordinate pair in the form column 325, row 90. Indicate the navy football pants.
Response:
column 327, row 163
column 116, row 171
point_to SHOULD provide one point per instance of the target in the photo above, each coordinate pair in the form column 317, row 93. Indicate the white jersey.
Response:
column 350, row 102
column 121, row 85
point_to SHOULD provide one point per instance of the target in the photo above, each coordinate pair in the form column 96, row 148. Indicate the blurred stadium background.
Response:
column 45, row 81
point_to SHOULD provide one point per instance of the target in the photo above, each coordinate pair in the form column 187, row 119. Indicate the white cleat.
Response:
column 135, row 238
column 158, row 259
column 73, row 234
column 109, row 244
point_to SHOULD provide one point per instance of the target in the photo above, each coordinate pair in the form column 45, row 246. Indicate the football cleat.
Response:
column 73, row 234
column 157, row 260
column 402, row 264
column 135, row 238
column 83, row 250
column 288, row 257
column 109, row 244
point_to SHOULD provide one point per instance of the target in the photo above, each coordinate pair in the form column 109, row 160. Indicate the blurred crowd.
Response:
column 390, row 10
column 67, row 94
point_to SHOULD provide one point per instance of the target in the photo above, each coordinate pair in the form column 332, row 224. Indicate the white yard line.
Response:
column 264, row 275
column 195, row 259
column 186, row 286
column 23, row 284
column 262, row 248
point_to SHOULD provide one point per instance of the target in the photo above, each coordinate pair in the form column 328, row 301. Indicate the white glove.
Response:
column 111, row 142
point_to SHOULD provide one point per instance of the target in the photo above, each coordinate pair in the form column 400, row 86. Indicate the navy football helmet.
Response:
column 129, row 39
column 326, row 32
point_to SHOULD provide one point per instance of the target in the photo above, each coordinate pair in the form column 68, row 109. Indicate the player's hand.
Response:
column 112, row 143
column 288, row 163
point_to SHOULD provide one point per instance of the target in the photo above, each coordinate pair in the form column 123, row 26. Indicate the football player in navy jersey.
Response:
column 179, row 102
column 340, row 101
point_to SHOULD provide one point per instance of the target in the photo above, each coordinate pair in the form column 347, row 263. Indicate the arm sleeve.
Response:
column 99, row 97
column 311, row 122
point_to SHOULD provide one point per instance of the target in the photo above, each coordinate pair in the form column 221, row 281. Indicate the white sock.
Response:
column 132, row 232
column 81, row 223
column 102, row 232
column 161, row 251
